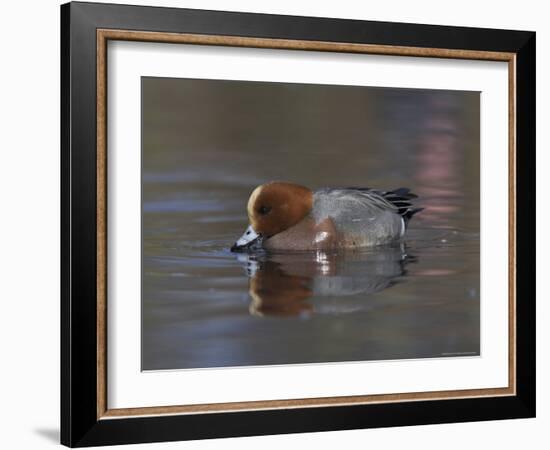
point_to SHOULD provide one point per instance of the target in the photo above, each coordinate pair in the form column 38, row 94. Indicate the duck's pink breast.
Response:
column 306, row 235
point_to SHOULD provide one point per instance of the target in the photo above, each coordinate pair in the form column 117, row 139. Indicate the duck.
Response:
column 285, row 216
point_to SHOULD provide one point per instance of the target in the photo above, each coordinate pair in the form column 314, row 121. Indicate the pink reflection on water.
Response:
column 438, row 165
column 435, row 272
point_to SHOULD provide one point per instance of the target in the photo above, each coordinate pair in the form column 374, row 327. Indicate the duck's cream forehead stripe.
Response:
column 252, row 201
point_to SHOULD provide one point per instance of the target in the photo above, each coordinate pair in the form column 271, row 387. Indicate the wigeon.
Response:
column 287, row 216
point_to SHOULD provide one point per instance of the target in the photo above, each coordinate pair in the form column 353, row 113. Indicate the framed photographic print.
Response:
column 276, row 224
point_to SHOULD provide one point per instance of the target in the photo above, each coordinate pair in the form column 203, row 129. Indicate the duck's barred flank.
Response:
column 399, row 198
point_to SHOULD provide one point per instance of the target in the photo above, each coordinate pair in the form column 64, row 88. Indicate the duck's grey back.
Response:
column 362, row 215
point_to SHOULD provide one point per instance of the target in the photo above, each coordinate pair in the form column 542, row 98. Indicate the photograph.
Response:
column 286, row 223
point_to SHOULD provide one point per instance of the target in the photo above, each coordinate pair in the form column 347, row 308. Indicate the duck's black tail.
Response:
column 401, row 198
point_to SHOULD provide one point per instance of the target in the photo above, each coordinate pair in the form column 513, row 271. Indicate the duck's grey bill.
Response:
column 250, row 240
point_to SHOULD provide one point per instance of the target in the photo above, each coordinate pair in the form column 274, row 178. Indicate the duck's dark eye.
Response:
column 263, row 210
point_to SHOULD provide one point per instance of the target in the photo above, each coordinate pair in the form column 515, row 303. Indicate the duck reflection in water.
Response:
column 287, row 284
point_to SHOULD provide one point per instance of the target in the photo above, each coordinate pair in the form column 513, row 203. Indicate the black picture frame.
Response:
column 80, row 425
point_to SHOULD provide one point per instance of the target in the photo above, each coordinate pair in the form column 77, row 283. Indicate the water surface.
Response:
column 207, row 144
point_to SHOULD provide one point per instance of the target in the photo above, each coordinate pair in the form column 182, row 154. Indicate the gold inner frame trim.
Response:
column 103, row 36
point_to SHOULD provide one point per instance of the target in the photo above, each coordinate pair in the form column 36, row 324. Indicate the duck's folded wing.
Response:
column 361, row 218
column 373, row 214
column 400, row 199
column 335, row 201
